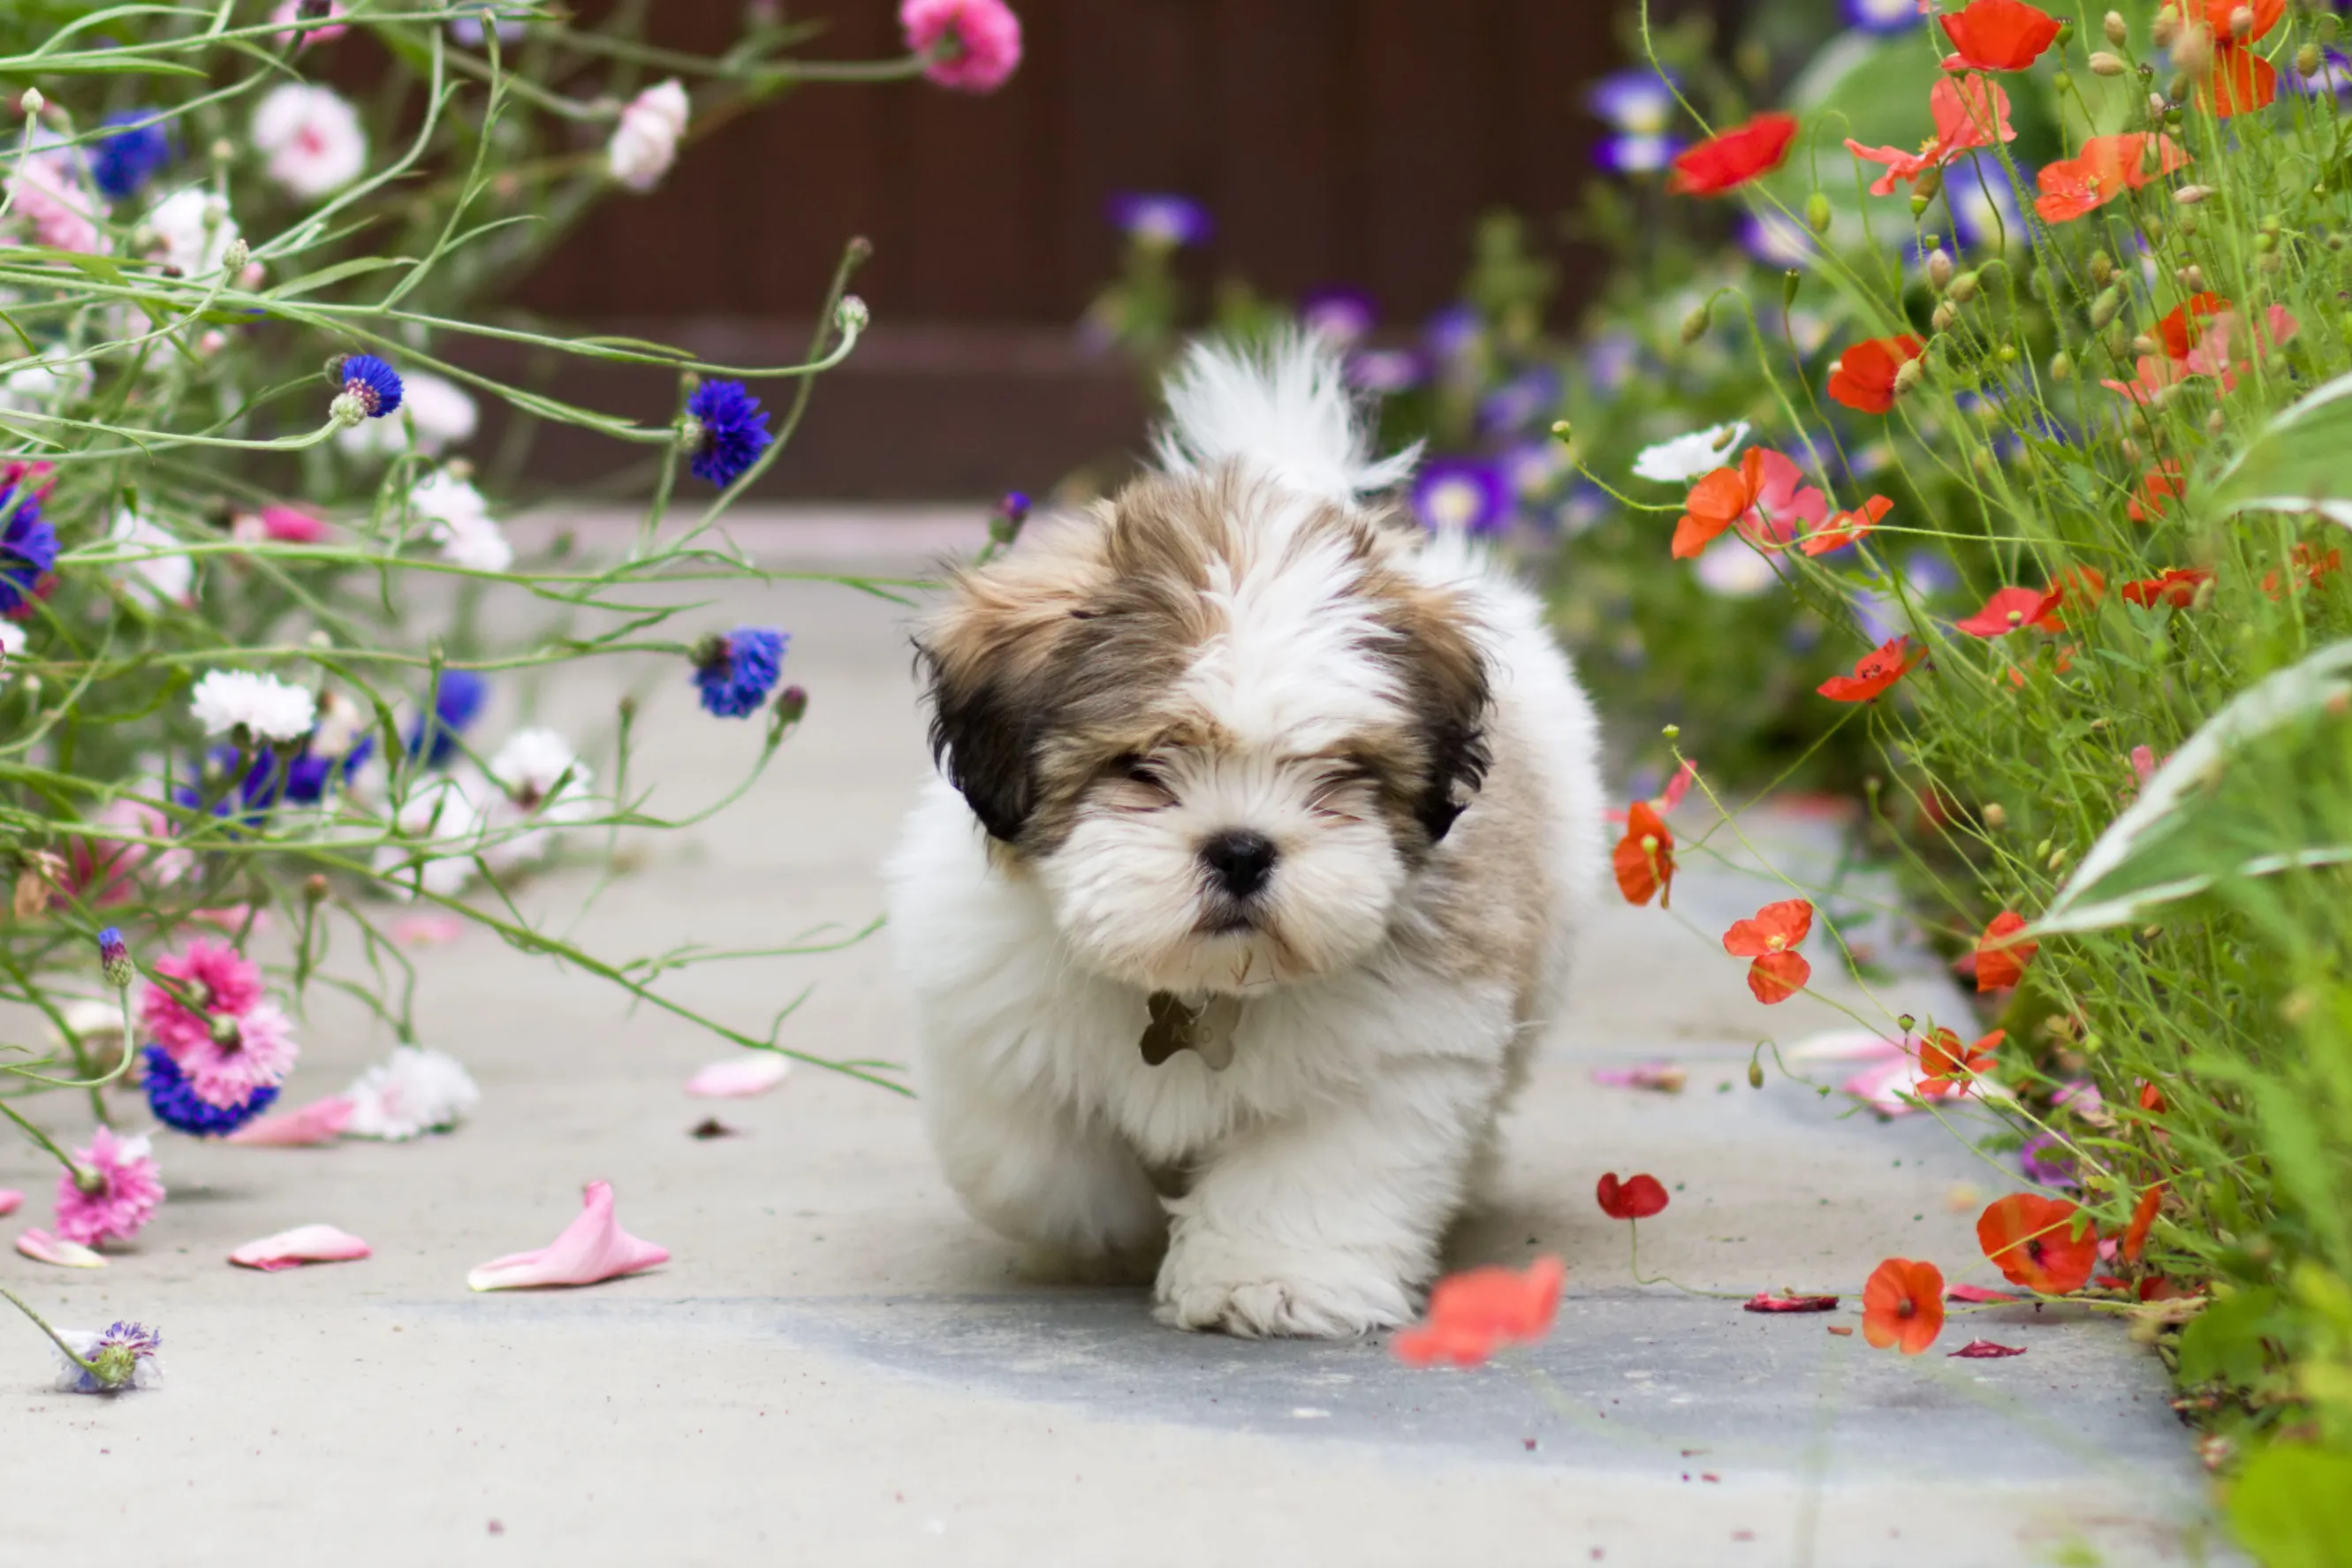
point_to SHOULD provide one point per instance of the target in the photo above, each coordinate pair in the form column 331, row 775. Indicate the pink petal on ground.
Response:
column 1662, row 1076
column 10, row 1201
column 1980, row 1296
column 593, row 1248
column 1882, row 1085
column 303, row 1244
column 1763, row 1301
column 427, row 930
column 1848, row 1045
column 43, row 1247
column 320, row 1122
column 1985, row 1350
column 740, row 1078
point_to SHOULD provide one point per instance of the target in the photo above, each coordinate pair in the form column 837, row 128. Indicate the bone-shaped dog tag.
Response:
column 1177, row 1024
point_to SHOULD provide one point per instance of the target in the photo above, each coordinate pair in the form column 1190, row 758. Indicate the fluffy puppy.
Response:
column 1265, row 826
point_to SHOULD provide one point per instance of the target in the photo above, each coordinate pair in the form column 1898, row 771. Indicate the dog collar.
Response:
column 1175, row 1025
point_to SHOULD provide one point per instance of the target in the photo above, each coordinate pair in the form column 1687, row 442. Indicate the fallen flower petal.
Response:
column 1765, row 1302
column 740, row 1078
column 42, row 1247
column 1841, row 1330
column 1474, row 1314
column 1636, row 1197
column 427, row 930
column 320, row 1122
column 1663, row 1077
column 1985, row 1350
column 11, row 1200
column 592, row 1248
column 303, row 1244
column 1978, row 1295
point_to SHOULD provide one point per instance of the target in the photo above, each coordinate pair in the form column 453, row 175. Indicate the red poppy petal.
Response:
column 1777, row 977
column 1763, row 1301
column 1985, row 1350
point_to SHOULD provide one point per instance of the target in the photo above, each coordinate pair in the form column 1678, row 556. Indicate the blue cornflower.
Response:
column 131, row 157
column 28, row 547
column 1343, row 316
column 1637, row 101
column 1160, row 218
column 736, row 672
column 728, row 431
column 176, row 1103
column 1461, row 495
column 457, row 700
column 1883, row 15
column 310, row 775
column 116, row 1355
column 1520, row 401
column 371, row 383
column 1776, row 239
column 1642, row 154
column 114, row 958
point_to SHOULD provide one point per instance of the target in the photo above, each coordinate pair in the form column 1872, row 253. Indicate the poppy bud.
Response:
column 2112, row 24
column 2266, row 242
column 2306, row 59
column 1964, row 288
column 2143, row 344
column 2189, row 195
column 2193, row 55
column 2061, row 369
column 1944, row 315
column 1790, row 281
column 2241, row 21
column 2192, row 278
column 1908, row 376
column 2104, row 64
column 2166, row 29
column 2104, row 309
column 1995, row 814
column 1754, row 1073
column 1562, row 432
column 2103, row 268
column 1671, row 731
column 314, row 888
column 2057, row 857
column 2062, row 81
column 1817, row 212
column 2158, row 106
column 2065, row 34
column 1905, row 1022
column 1939, row 270
column 1694, row 324
column 2129, row 447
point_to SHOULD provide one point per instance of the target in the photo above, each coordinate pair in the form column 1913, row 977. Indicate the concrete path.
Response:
column 839, row 1366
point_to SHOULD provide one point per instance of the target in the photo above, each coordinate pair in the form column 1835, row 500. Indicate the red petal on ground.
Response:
column 1985, row 1350
column 1764, row 1301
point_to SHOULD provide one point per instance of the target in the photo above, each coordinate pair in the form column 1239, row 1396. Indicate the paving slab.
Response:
column 839, row 1363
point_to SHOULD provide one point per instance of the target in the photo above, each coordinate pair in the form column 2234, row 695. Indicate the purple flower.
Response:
column 130, row 156
column 1883, row 15
column 2045, row 1161
column 1454, row 331
column 457, row 698
column 1776, row 239
column 1384, row 369
column 177, row 1103
column 370, row 383
column 1608, row 360
column 1521, row 400
column 115, row 1354
column 1929, row 572
column 1638, row 101
column 1344, row 316
column 114, row 958
column 1461, row 495
column 736, row 672
column 1645, row 154
column 28, row 546
column 2334, row 76
column 1160, row 219
column 1535, row 468
column 2081, row 1096
column 729, row 430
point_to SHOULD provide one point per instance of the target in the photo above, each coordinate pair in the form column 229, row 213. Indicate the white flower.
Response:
column 545, row 787
column 461, row 523
column 445, row 817
column 1734, row 568
column 166, row 575
column 312, row 138
column 1685, row 457
column 265, row 705
column 194, row 230
column 12, row 642
column 441, row 411
column 531, row 764
column 645, row 144
column 417, row 1091
column 38, row 384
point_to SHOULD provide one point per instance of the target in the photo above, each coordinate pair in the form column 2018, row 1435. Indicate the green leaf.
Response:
column 2224, row 1342
column 2294, row 464
column 2292, row 1507
column 327, row 277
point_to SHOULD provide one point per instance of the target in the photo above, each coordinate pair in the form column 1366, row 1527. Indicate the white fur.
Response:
column 1320, row 1169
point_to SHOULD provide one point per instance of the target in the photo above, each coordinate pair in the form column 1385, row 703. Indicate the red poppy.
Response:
column 2177, row 587
column 1863, row 377
column 1948, row 1067
column 1779, row 971
column 2001, row 962
column 1474, row 1314
column 1969, row 112
column 2010, row 609
column 2240, row 81
column 1845, row 529
column 1997, row 35
column 2106, row 167
column 1763, row 1301
column 1636, row 1197
column 1977, row 1295
column 1719, row 500
column 2151, row 1100
column 1645, row 857
column 2178, row 327
column 1903, row 1302
column 2031, row 1240
column 2143, row 1217
column 2306, row 562
column 1986, row 1350
column 2216, row 14
column 2159, row 487
column 1725, row 163
column 1873, row 672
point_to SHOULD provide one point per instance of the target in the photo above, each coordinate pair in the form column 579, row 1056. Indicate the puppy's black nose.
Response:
column 1241, row 861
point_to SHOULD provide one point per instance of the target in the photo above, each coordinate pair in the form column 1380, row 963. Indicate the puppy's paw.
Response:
column 1210, row 1283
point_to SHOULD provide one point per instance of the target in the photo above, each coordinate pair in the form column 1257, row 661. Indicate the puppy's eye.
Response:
column 1333, row 785
column 1150, row 780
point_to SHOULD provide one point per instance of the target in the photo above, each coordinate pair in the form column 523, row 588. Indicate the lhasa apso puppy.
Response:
column 1265, row 826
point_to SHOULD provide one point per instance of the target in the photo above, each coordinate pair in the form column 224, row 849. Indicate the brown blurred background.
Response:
column 1334, row 142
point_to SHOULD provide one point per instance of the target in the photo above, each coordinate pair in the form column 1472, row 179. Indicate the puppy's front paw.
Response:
column 1236, row 1287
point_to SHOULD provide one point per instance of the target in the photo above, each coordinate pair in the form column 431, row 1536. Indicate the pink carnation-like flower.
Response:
column 59, row 209
column 988, row 32
column 218, row 981
column 121, row 1193
column 291, row 10
column 281, row 524
column 239, row 1054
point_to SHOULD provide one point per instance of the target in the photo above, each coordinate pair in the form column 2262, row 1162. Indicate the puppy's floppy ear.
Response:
column 1446, row 684
column 978, row 738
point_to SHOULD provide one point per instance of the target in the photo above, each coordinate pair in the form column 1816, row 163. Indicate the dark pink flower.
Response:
column 111, row 1194
column 987, row 41
column 215, row 981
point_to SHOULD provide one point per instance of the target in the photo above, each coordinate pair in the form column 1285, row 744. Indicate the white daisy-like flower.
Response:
column 192, row 231
column 165, row 573
column 533, row 762
column 441, row 411
column 1685, row 457
column 342, row 724
column 475, row 543
column 1734, row 569
column 40, row 383
column 645, row 144
column 312, row 136
column 264, row 705
column 545, row 788
column 12, row 642
column 444, row 818
column 415, row 1093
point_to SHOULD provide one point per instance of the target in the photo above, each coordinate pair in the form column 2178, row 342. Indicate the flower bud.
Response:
column 32, row 102
column 1995, row 815
column 1942, row 315
column 114, row 958
column 2143, row 344
column 1939, row 270
column 223, row 1028
column 2306, row 59
column 2102, row 266
column 1563, row 431
column 2216, row 423
column 237, row 255
column 1817, row 212
column 2189, row 195
column 2241, row 21
column 790, row 703
column 2112, row 24
column 2104, row 64
column 2062, row 81
column 2166, row 29
column 1905, row 1022
column 2158, row 106
column 2104, row 309
column 2192, row 278
column 2193, row 55
column 852, row 314
column 314, row 888
column 1964, row 288
column 2061, row 369
column 2065, row 33
column 1694, row 324
column 1754, row 1073
column 1910, row 376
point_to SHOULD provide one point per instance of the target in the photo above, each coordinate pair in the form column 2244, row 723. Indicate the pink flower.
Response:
column 217, row 980
column 42, row 1247
column 238, row 1054
column 2211, row 356
column 287, row 11
column 2143, row 763
column 986, row 33
column 593, row 1248
column 103, row 870
column 11, row 1200
column 740, row 1078
column 1968, row 111
column 303, row 1244
column 59, row 209
column 2156, row 371
column 281, row 524
column 320, row 1122
column 1783, row 501
column 112, row 1194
